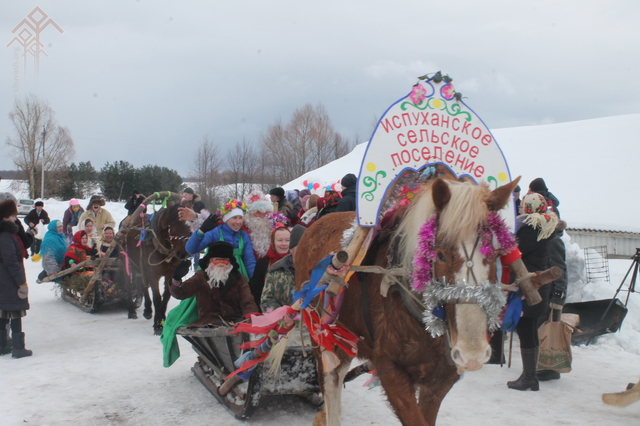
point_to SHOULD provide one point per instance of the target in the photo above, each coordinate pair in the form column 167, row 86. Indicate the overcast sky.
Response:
column 144, row 81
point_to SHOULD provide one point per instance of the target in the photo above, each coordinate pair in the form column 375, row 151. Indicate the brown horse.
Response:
column 157, row 256
column 409, row 361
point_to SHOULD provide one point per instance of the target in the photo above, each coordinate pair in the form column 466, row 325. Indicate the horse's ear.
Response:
column 440, row 193
column 501, row 196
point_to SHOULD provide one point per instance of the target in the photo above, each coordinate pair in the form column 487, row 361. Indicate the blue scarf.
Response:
column 54, row 241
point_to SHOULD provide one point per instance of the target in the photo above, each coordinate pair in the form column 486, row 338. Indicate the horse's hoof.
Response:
column 133, row 315
column 147, row 315
column 157, row 331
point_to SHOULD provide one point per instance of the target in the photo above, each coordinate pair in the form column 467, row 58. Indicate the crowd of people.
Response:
column 247, row 263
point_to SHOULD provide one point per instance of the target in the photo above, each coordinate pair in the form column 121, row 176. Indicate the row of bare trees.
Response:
column 285, row 152
column 38, row 135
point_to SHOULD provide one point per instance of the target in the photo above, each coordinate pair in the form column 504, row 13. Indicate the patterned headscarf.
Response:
column 536, row 215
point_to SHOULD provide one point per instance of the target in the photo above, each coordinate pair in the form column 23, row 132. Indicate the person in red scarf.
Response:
column 278, row 249
column 79, row 251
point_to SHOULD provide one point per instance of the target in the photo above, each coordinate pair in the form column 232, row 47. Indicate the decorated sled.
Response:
column 98, row 283
column 219, row 348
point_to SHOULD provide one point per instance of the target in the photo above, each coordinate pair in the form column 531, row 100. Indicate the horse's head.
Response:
column 447, row 242
column 173, row 231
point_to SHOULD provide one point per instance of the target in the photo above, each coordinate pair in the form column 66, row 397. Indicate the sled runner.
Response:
column 218, row 350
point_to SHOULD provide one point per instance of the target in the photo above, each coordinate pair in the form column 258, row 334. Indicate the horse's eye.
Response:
column 442, row 257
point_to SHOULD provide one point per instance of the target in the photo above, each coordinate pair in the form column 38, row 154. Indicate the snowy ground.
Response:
column 104, row 369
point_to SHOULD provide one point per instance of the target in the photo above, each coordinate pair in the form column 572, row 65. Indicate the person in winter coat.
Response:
column 71, row 218
column 285, row 208
column 311, row 210
column 222, row 292
column 79, row 251
column 230, row 231
column 558, row 290
column 14, row 289
column 278, row 249
column 54, row 246
column 136, row 199
column 538, row 224
column 296, row 205
column 280, row 281
column 539, row 186
column 35, row 216
column 331, row 200
column 192, row 200
column 348, row 201
column 100, row 216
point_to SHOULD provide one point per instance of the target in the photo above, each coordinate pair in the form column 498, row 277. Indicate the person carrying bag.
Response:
column 555, row 345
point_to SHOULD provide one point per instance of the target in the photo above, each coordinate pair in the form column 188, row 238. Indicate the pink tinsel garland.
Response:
column 425, row 252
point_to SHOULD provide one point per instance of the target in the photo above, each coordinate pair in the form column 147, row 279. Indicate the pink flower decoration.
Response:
column 418, row 94
column 447, row 91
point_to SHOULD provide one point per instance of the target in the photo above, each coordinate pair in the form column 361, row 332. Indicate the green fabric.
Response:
column 237, row 253
column 183, row 314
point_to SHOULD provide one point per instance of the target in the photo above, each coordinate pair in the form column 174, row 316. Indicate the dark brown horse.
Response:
column 416, row 370
column 158, row 254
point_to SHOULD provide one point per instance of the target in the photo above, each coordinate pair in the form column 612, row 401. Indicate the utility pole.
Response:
column 42, row 186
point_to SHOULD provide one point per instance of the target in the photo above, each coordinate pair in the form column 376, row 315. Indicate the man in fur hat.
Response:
column 221, row 291
column 100, row 216
column 192, row 200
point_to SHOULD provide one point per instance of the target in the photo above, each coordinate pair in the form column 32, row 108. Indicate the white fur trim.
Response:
column 262, row 206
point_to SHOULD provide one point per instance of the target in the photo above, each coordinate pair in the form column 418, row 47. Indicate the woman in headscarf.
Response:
column 54, row 246
column 79, row 251
column 537, row 225
column 278, row 249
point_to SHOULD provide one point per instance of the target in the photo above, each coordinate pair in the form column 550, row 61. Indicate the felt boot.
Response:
column 528, row 379
column 18, row 347
column 546, row 375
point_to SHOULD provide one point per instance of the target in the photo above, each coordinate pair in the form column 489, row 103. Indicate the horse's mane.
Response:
column 461, row 216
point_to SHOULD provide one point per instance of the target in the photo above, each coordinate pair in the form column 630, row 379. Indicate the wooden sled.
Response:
column 217, row 350
column 105, row 286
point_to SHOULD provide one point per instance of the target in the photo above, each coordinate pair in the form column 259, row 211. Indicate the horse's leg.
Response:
column 166, row 296
column 332, row 393
column 430, row 398
column 148, row 308
column 400, row 389
column 157, row 306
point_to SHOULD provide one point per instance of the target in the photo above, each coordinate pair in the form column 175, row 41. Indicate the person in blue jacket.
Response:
column 231, row 231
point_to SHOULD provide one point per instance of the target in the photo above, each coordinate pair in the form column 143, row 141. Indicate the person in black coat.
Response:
column 348, row 201
column 533, row 237
column 35, row 216
column 14, row 290
column 136, row 199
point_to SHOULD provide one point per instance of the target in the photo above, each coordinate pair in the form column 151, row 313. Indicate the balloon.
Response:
column 305, row 183
column 328, row 188
column 316, row 185
column 333, row 187
column 310, row 186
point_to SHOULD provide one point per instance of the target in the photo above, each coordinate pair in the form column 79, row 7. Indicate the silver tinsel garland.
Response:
column 348, row 234
column 487, row 295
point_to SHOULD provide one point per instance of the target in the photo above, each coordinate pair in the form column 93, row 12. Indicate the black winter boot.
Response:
column 546, row 375
column 5, row 347
column 18, row 347
column 528, row 379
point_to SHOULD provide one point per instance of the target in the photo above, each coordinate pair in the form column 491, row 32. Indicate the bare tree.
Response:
column 38, row 131
column 243, row 167
column 207, row 168
column 307, row 142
